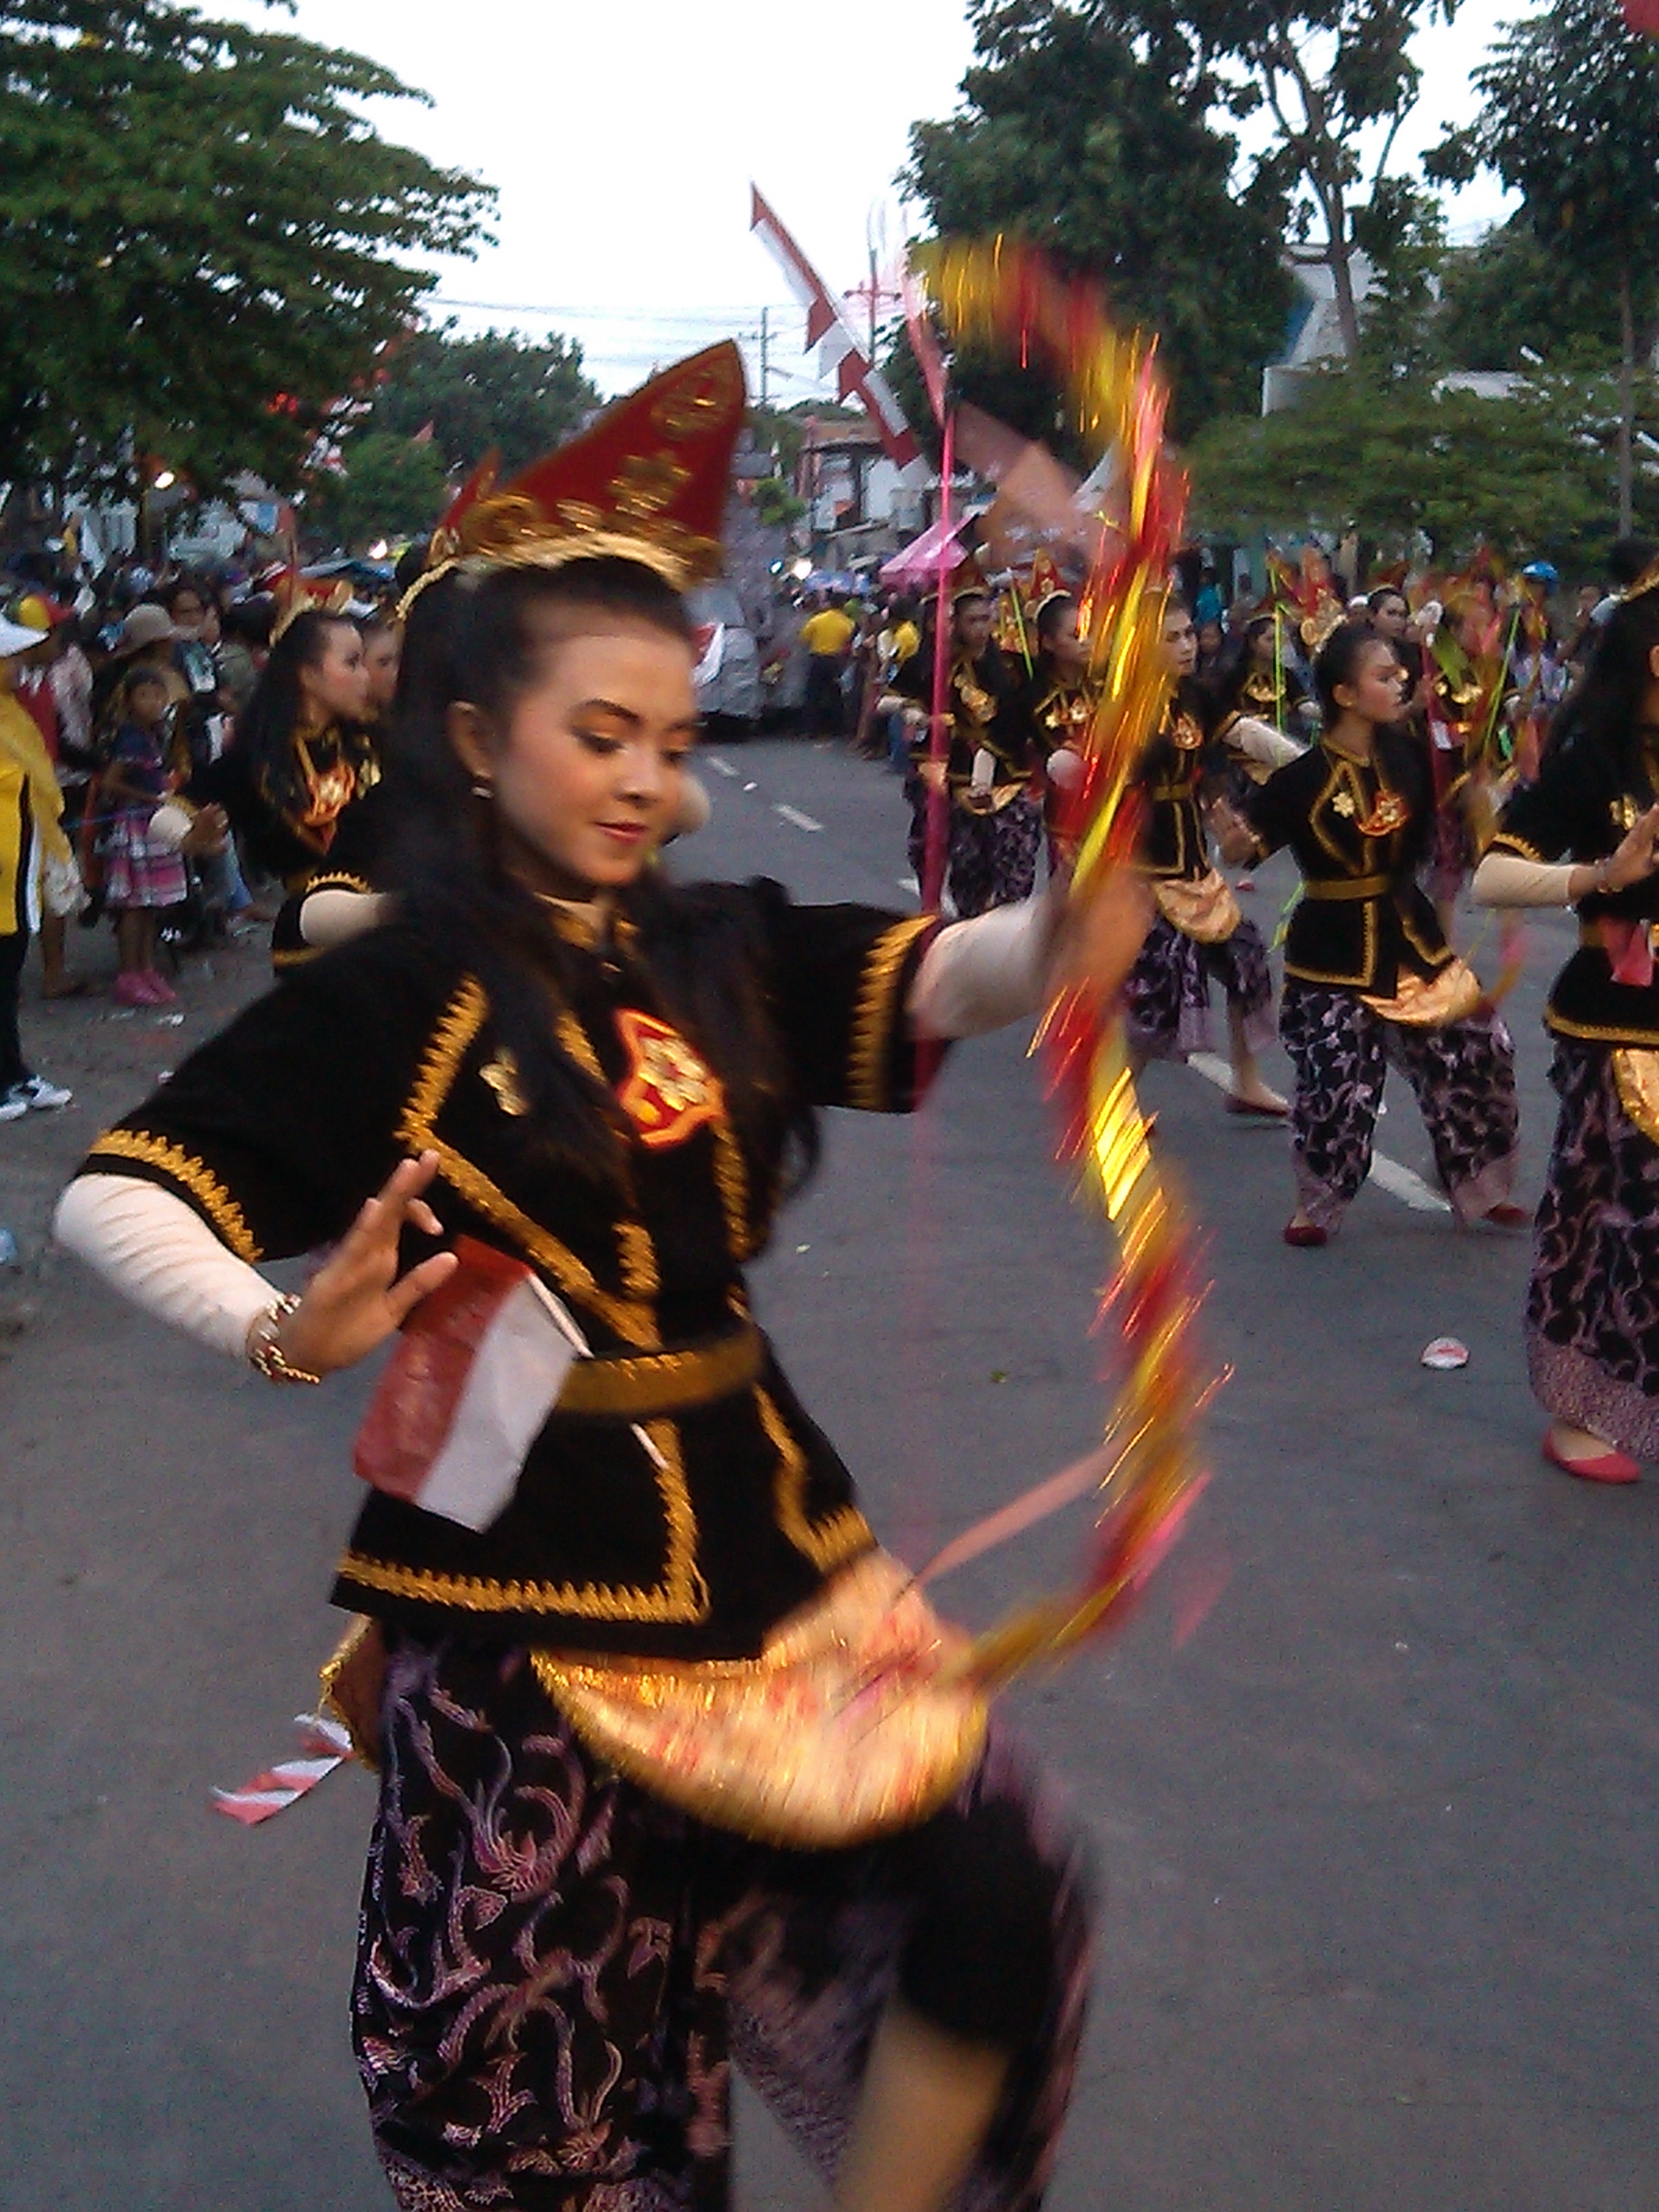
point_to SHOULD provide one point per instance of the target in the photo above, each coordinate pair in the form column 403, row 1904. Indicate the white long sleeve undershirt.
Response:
column 976, row 975
column 1512, row 880
column 156, row 1251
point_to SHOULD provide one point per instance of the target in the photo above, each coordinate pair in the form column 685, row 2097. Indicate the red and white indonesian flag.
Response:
column 477, row 1371
column 839, row 356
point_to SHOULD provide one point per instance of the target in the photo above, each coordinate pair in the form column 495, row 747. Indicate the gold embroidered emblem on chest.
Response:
column 668, row 1092
column 1389, row 813
column 502, row 1076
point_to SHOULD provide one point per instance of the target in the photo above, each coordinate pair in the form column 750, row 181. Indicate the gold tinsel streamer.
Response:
column 1005, row 297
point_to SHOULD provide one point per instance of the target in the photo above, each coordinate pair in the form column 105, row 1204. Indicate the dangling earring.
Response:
column 482, row 787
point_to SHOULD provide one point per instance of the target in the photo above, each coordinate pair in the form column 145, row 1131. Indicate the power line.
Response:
column 746, row 312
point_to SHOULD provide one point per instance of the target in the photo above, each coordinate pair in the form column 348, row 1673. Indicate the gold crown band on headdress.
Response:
column 535, row 551
column 1646, row 582
column 332, row 602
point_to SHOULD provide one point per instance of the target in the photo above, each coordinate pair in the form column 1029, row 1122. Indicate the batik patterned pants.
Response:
column 555, row 1971
column 1168, row 990
column 994, row 856
column 1462, row 1076
column 1592, row 1303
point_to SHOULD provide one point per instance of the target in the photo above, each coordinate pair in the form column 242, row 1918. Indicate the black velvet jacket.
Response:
column 1043, row 712
column 1357, row 831
column 1170, row 779
column 1580, row 810
column 277, row 1130
column 979, row 691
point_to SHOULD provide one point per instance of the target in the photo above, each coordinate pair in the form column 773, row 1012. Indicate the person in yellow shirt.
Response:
column 31, row 833
column 826, row 634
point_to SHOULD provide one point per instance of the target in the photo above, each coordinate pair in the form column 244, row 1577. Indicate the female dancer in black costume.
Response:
column 1368, row 976
column 553, row 1052
column 1586, row 834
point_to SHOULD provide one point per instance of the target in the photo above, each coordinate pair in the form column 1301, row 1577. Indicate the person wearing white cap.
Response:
column 30, row 829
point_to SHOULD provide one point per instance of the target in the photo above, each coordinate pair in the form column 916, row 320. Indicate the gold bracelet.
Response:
column 265, row 1355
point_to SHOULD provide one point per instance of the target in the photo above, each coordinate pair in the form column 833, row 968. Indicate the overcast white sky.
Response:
column 622, row 135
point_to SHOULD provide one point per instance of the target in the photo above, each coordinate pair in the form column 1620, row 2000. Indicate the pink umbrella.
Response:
column 915, row 566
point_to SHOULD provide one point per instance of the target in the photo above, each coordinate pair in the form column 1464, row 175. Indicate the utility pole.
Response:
column 765, row 354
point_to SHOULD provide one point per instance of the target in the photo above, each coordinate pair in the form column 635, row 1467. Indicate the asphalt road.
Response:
column 1372, row 1777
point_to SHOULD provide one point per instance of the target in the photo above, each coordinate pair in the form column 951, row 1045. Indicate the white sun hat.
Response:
column 15, row 637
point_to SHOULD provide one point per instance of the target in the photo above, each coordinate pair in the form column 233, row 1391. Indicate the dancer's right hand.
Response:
column 357, row 1299
column 1637, row 856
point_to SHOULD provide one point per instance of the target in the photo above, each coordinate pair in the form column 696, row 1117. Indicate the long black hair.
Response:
column 1603, row 712
column 265, row 728
column 486, row 641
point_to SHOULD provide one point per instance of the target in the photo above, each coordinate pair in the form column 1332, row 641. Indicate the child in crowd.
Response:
column 143, row 874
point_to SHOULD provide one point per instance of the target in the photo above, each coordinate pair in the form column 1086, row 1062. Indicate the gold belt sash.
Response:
column 1430, row 1002
column 851, row 1723
column 1203, row 908
column 855, row 1721
column 1349, row 886
column 1636, row 1076
column 641, row 1386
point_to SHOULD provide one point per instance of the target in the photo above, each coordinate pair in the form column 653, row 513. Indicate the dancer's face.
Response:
column 588, row 776
column 973, row 626
column 1069, row 651
column 1377, row 692
column 381, row 653
column 1180, row 642
column 335, row 686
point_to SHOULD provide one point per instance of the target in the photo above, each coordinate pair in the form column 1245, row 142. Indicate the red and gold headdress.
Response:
column 646, row 481
column 296, row 595
column 968, row 580
column 1046, row 583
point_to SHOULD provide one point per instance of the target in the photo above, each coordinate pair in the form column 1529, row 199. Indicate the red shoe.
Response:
column 1306, row 1235
column 128, row 990
column 1507, row 1215
column 161, row 992
column 1609, row 1466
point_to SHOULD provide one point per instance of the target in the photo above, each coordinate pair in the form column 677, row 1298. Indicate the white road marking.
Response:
column 721, row 767
column 793, row 814
column 909, row 883
column 1399, row 1181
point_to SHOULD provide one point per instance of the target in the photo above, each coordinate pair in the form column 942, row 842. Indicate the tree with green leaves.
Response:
column 1410, row 460
column 1569, row 118
column 1337, row 79
column 501, row 390
column 378, row 485
column 1509, row 302
column 202, row 241
column 1068, row 136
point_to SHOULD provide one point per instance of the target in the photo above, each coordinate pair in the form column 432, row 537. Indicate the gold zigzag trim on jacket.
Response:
column 638, row 1254
column 873, row 1021
column 681, row 1596
column 191, row 1174
column 825, row 1543
column 458, row 1026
